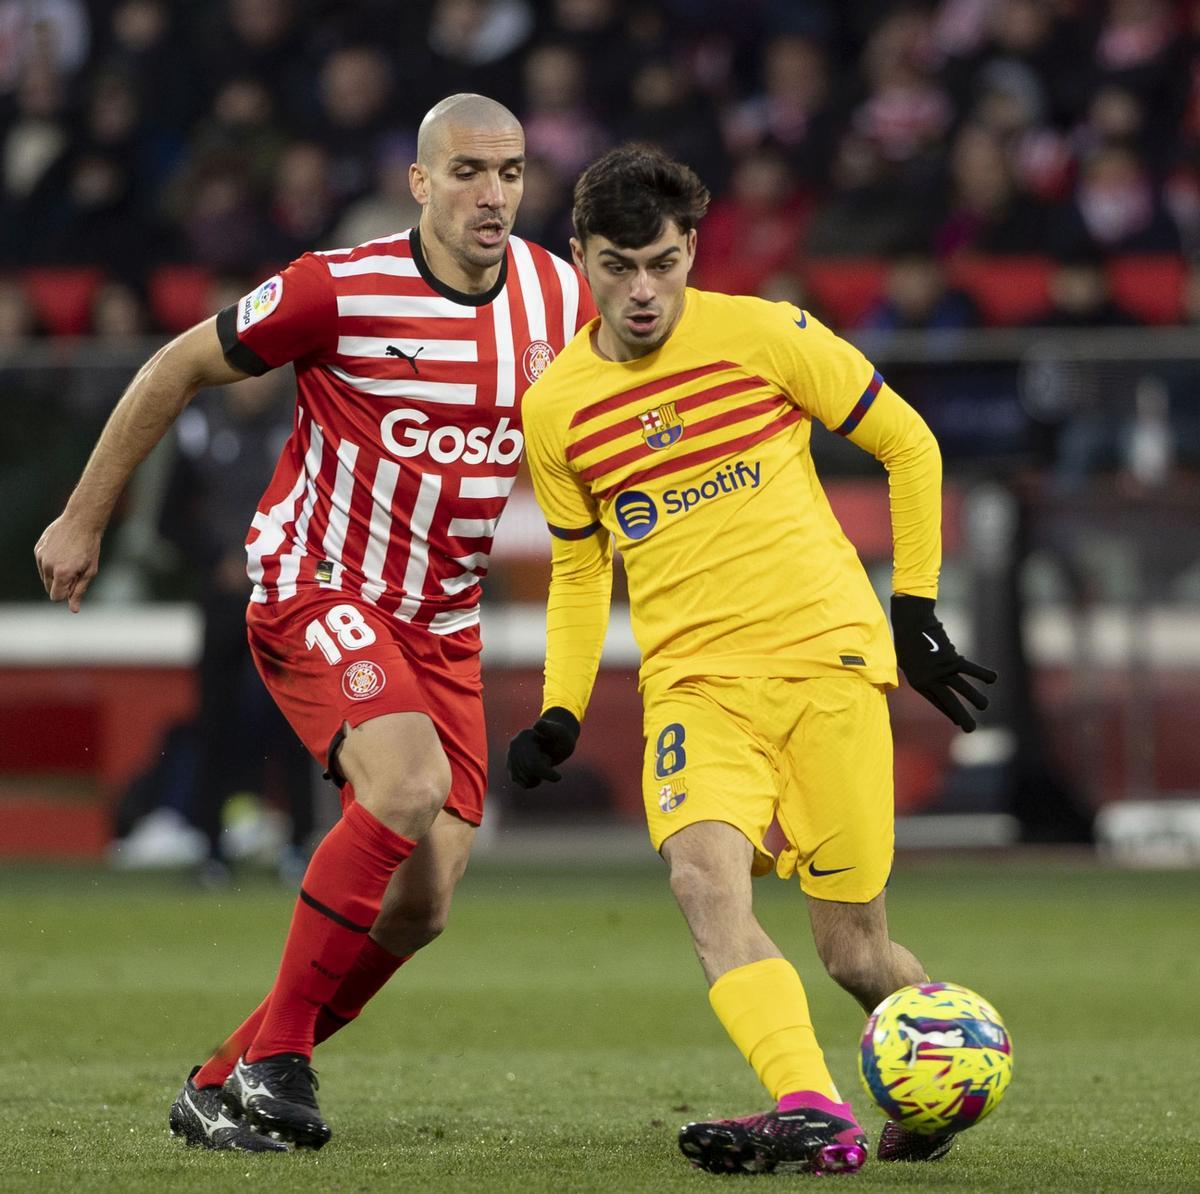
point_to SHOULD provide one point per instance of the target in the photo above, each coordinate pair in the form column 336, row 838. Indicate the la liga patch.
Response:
column 363, row 679
column 258, row 304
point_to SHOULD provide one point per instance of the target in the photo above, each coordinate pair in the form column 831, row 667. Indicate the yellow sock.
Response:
column 764, row 1009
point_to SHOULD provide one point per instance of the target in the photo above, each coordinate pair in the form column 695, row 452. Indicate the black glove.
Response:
column 930, row 662
column 534, row 753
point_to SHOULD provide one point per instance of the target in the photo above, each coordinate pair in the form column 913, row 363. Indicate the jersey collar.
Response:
column 456, row 296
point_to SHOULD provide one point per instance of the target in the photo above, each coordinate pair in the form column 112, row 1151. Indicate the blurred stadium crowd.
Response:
column 909, row 170
column 139, row 135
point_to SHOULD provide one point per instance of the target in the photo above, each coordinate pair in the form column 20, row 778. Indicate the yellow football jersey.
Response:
column 695, row 460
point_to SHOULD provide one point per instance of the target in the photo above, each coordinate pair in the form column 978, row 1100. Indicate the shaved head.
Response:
column 468, row 179
column 465, row 111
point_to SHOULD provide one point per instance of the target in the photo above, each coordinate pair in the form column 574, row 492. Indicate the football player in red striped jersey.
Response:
column 412, row 356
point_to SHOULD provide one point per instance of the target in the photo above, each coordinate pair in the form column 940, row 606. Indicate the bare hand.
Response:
column 68, row 556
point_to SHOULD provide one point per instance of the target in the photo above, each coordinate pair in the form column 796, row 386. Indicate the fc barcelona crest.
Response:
column 671, row 795
column 661, row 427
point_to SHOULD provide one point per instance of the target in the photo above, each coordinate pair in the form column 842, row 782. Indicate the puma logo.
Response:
column 393, row 351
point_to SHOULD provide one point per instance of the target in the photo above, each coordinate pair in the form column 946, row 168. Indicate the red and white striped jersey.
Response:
column 407, row 434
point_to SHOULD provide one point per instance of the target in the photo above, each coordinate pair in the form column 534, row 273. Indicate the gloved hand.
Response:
column 930, row 662
column 534, row 754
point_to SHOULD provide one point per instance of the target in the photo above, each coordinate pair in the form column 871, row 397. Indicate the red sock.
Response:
column 367, row 977
column 220, row 1065
column 339, row 900
column 372, row 969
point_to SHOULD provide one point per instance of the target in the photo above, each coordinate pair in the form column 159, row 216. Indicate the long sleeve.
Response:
column 576, row 619
column 897, row 436
column 581, row 564
column 831, row 380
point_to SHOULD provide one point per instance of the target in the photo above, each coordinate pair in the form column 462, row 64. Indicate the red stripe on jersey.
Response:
column 727, row 418
column 616, row 401
column 704, row 455
column 485, row 340
column 690, row 402
column 551, row 288
column 519, row 314
column 323, row 482
column 277, row 510
column 355, row 284
column 361, row 508
column 396, row 246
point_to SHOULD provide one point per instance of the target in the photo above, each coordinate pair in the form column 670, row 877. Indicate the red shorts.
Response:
column 330, row 660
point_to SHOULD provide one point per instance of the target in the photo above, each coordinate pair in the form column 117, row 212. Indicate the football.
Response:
column 936, row 1058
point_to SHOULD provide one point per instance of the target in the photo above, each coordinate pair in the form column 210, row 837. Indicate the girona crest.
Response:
column 536, row 360
column 363, row 679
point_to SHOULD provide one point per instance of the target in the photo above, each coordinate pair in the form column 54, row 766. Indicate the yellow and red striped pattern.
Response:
column 734, row 561
column 725, row 411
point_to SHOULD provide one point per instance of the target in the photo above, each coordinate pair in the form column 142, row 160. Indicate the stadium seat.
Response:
column 1008, row 290
column 61, row 297
column 179, row 296
column 1149, row 286
column 845, row 288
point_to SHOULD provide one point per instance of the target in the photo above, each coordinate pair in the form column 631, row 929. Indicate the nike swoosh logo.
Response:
column 817, row 873
column 210, row 1125
column 802, row 322
column 933, row 647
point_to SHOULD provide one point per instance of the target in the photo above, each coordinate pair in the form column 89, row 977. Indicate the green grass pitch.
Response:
column 558, row 1034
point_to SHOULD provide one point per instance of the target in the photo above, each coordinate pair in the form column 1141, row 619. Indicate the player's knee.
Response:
column 408, row 803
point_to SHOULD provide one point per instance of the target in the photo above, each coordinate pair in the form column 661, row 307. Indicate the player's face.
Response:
column 470, row 193
column 638, row 292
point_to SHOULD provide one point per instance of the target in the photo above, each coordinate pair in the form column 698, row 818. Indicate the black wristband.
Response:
column 562, row 717
column 909, row 612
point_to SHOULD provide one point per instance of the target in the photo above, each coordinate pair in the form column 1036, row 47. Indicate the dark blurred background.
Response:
column 998, row 200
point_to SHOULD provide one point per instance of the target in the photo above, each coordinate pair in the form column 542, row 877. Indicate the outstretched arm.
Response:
column 896, row 435
column 68, row 552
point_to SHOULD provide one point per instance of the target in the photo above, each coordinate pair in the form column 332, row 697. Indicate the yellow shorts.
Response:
column 814, row 752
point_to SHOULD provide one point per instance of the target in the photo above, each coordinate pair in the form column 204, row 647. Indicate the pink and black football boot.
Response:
column 899, row 1144
column 819, row 1137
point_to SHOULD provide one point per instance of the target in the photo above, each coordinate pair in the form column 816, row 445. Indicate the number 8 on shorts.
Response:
column 669, row 754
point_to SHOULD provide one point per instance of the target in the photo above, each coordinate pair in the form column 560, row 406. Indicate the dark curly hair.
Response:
column 626, row 195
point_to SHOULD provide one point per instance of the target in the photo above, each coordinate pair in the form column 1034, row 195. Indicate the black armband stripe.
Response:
column 573, row 532
column 239, row 355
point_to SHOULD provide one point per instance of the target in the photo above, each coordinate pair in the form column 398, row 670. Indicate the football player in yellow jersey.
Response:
column 677, row 426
